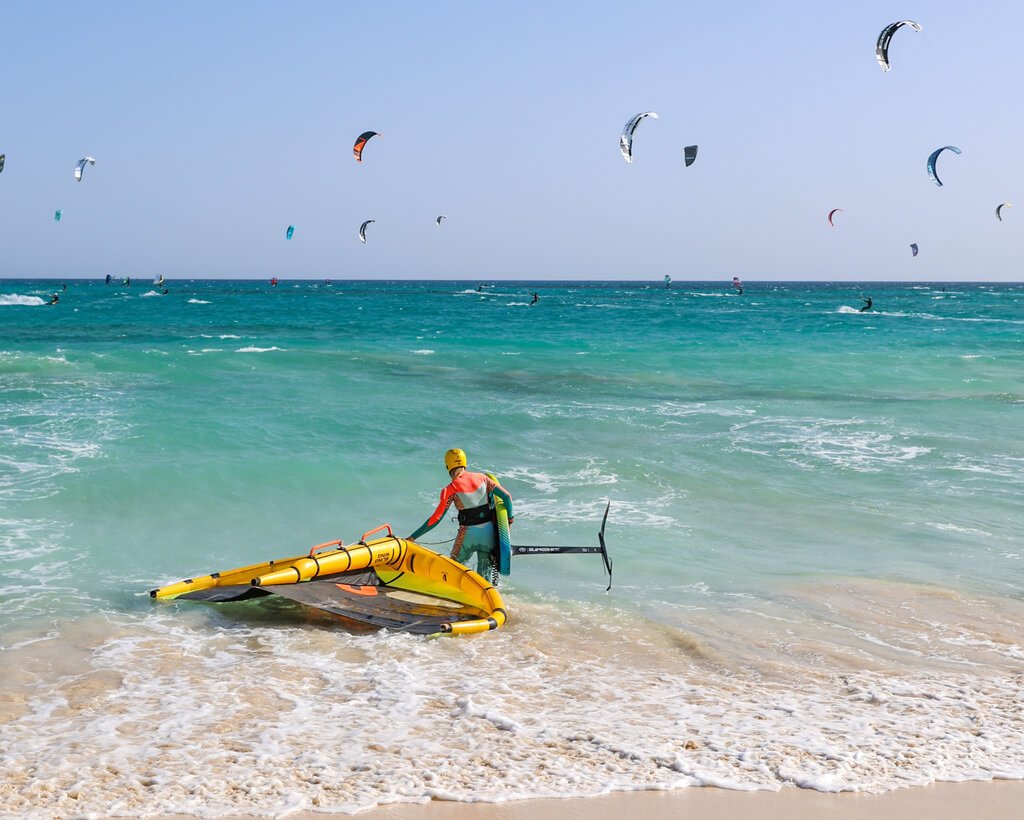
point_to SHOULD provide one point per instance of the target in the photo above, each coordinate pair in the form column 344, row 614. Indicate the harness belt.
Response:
column 475, row 515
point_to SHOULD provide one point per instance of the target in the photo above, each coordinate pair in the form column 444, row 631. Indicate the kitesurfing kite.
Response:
column 626, row 140
column 361, row 140
column 3, row 158
column 362, row 230
column 913, row 248
column 81, row 167
column 882, row 47
column 439, row 220
column 999, row 215
column 689, row 154
column 934, row 157
column 290, row 232
column 58, row 214
column 832, row 213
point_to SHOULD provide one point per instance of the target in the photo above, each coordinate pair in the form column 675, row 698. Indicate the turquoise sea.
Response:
column 816, row 523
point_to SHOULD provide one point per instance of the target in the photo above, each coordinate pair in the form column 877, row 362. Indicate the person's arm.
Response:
column 495, row 488
column 447, row 496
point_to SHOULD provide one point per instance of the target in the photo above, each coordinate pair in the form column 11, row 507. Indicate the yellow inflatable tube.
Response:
column 399, row 564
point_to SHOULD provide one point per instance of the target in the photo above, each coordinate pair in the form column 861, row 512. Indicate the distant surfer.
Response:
column 472, row 495
column 166, row 291
column 479, row 288
column 737, row 285
column 536, row 299
column 54, row 299
column 64, row 286
column 273, row 282
column 108, row 278
column 867, row 305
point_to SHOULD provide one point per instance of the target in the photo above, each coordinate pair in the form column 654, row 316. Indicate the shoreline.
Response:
column 991, row 799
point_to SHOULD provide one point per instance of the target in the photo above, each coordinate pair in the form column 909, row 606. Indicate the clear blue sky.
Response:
column 216, row 125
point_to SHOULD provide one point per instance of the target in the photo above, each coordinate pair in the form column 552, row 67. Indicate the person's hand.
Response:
column 511, row 520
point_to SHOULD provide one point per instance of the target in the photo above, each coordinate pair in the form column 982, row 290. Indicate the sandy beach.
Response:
column 994, row 800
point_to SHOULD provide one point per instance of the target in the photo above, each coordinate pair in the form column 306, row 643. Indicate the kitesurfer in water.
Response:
column 471, row 493
column 867, row 305
column 54, row 299
column 108, row 278
column 536, row 299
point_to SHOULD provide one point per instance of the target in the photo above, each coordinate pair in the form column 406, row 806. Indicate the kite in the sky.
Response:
column 882, row 47
column 290, row 232
column 934, row 158
column 362, row 230
column 999, row 210
column 361, row 140
column 832, row 213
column 689, row 154
column 913, row 248
column 626, row 140
column 81, row 167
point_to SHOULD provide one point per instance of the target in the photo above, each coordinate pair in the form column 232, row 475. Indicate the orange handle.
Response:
column 378, row 529
column 338, row 543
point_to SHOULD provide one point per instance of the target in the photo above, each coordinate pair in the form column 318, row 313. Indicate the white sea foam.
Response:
column 947, row 527
column 258, row 349
column 166, row 714
column 198, row 302
column 423, row 352
column 17, row 299
column 593, row 474
column 847, row 443
column 151, row 293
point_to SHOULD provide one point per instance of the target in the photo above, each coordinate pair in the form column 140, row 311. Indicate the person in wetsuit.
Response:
column 471, row 494
column 53, row 299
column 867, row 305
column 536, row 299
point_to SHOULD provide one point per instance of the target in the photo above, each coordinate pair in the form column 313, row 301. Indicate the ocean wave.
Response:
column 846, row 443
column 167, row 714
column 198, row 302
column 16, row 299
column 258, row 349
column 592, row 475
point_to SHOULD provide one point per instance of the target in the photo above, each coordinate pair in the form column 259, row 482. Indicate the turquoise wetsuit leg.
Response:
column 479, row 540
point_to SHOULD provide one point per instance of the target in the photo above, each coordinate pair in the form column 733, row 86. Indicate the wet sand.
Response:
column 993, row 800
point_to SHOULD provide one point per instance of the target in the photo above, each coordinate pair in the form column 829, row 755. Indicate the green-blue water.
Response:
column 766, row 455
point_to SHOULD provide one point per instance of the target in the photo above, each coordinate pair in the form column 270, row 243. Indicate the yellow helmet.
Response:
column 454, row 458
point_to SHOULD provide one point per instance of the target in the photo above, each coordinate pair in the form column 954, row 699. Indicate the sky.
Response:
column 216, row 125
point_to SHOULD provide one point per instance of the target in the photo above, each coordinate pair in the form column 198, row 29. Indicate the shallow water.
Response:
column 816, row 519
